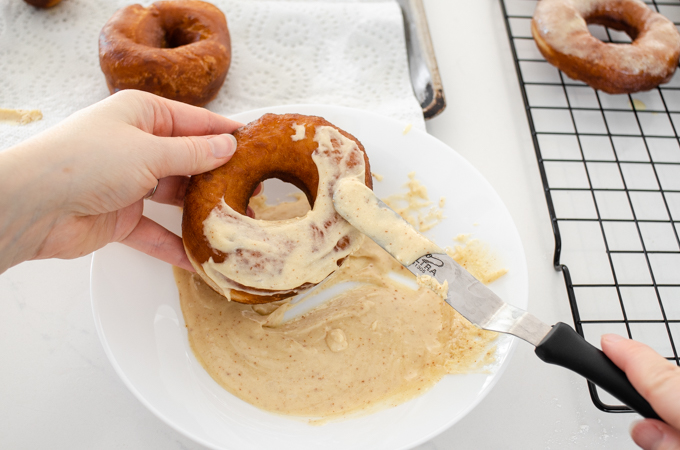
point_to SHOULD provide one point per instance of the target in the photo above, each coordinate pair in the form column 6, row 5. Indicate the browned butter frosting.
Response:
column 375, row 345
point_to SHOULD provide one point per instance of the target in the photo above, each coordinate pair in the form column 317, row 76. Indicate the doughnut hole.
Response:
column 287, row 192
column 609, row 34
column 276, row 193
column 616, row 21
column 178, row 35
column 178, row 38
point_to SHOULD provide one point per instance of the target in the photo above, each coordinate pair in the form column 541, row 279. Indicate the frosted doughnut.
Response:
column 260, row 261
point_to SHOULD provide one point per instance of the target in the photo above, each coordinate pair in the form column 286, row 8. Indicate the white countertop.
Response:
column 58, row 390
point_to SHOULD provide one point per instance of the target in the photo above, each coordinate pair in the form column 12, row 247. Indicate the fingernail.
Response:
column 612, row 338
column 223, row 145
column 646, row 434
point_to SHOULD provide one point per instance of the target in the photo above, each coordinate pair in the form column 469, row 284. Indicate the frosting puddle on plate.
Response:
column 376, row 345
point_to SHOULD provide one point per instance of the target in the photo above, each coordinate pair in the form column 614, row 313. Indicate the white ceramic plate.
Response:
column 139, row 320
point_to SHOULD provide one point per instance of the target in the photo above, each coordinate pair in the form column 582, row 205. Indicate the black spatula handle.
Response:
column 565, row 347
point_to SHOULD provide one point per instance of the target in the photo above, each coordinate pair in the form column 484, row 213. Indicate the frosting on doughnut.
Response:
column 286, row 254
column 355, row 201
column 299, row 132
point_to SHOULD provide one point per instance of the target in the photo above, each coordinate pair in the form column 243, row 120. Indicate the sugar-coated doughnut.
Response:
column 560, row 30
column 179, row 50
column 259, row 261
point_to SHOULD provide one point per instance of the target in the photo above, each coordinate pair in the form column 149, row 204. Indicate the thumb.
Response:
column 652, row 434
column 653, row 376
column 190, row 155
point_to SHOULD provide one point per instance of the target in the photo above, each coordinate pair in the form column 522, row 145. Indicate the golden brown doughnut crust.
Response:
column 179, row 50
column 265, row 150
column 43, row 3
column 560, row 30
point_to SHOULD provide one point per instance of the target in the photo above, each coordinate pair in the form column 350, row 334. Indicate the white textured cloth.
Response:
column 321, row 52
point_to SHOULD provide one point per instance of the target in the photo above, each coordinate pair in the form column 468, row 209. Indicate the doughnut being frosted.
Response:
column 258, row 261
column 179, row 50
column 560, row 29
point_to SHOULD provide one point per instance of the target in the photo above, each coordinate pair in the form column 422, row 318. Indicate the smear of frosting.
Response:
column 358, row 204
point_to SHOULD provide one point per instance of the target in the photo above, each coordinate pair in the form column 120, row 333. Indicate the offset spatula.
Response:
column 558, row 344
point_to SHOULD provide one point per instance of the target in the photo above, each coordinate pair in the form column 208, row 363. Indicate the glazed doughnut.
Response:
column 179, row 50
column 43, row 3
column 260, row 261
column 560, row 30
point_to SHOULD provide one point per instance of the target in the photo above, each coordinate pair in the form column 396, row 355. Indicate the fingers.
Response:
column 652, row 434
column 250, row 212
column 175, row 138
column 187, row 120
column 168, row 118
column 154, row 240
column 171, row 190
column 189, row 155
column 655, row 378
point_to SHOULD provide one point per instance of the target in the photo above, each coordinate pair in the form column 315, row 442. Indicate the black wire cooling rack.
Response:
column 610, row 166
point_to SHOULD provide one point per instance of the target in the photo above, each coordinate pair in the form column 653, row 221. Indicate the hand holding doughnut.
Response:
column 79, row 185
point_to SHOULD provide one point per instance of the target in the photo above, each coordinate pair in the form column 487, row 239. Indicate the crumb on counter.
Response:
column 20, row 116
column 407, row 128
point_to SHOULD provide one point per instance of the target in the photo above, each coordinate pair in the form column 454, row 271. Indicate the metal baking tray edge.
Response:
column 425, row 79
